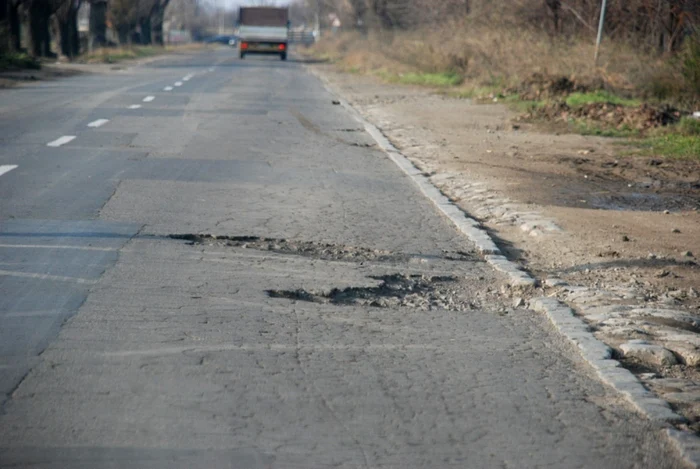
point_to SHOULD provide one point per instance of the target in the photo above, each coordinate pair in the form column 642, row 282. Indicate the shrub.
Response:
column 689, row 126
column 18, row 60
column 691, row 64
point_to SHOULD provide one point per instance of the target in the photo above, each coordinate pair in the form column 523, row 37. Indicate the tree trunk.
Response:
column 70, row 40
column 98, row 24
column 157, row 16
column 555, row 9
column 123, row 32
column 146, row 37
column 40, row 36
column 13, row 17
column 4, row 26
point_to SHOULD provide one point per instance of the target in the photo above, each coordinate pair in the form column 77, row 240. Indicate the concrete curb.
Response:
column 596, row 353
column 468, row 226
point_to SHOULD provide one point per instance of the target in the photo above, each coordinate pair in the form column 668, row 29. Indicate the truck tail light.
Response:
column 244, row 45
column 283, row 47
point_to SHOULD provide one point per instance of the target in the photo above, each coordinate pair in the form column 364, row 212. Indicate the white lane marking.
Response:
column 187, row 78
column 168, row 88
column 60, row 278
column 6, row 168
column 178, row 83
column 211, row 69
column 98, row 123
column 135, row 106
column 31, row 314
column 148, row 99
column 50, row 246
column 61, row 141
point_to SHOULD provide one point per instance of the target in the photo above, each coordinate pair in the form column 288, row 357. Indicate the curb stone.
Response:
column 596, row 353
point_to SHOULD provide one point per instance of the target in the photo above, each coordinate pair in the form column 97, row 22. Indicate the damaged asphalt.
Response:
column 205, row 351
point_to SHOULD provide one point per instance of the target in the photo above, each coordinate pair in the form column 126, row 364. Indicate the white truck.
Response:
column 263, row 30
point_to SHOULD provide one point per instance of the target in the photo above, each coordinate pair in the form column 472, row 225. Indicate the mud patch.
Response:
column 642, row 202
column 415, row 291
column 323, row 251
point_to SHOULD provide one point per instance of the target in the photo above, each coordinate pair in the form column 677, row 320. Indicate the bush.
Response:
column 581, row 99
column 691, row 64
column 689, row 126
column 15, row 60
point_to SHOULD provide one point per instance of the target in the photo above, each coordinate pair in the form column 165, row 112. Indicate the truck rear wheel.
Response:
column 283, row 56
column 243, row 55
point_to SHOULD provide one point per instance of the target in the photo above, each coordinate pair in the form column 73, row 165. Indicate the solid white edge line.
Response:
column 148, row 99
column 61, row 141
column 6, row 168
column 54, row 246
column 98, row 123
column 135, row 106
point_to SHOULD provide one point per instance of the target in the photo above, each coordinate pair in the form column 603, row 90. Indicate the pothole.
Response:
column 323, row 251
column 422, row 292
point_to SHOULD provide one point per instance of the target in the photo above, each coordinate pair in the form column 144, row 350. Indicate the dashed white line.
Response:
column 187, row 78
column 61, row 141
column 98, row 123
column 148, row 99
column 168, row 88
column 135, row 106
column 6, row 168
column 211, row 69
column 178, row 83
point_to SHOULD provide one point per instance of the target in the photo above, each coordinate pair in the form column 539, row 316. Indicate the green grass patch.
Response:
column 689, row 126
column 437, row 80
column 16, row 60
column 441, row 80
column 670, row 145
column 581, row 99
column 585, row 127
column 475, row 92
column 522, row 105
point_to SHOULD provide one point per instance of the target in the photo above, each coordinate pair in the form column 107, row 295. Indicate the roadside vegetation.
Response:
column 119, row 54
column 18, row 61
column 32, row 30
column 538, row 58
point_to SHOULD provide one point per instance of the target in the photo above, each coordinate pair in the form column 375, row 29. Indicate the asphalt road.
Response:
column 123, row 347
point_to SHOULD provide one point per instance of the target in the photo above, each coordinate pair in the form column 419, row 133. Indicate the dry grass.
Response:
column 501, row 57
column 120, row 54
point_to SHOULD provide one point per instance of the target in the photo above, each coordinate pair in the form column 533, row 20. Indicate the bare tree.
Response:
column 157, row 17
column 98, row 23
column 67, row 17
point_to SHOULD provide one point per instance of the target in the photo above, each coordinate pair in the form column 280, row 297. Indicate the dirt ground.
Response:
column 614, row 235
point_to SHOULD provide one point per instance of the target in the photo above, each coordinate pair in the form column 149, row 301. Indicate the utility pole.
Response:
column 600, row 32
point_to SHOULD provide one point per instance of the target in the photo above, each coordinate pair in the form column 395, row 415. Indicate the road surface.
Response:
column 336, row 320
